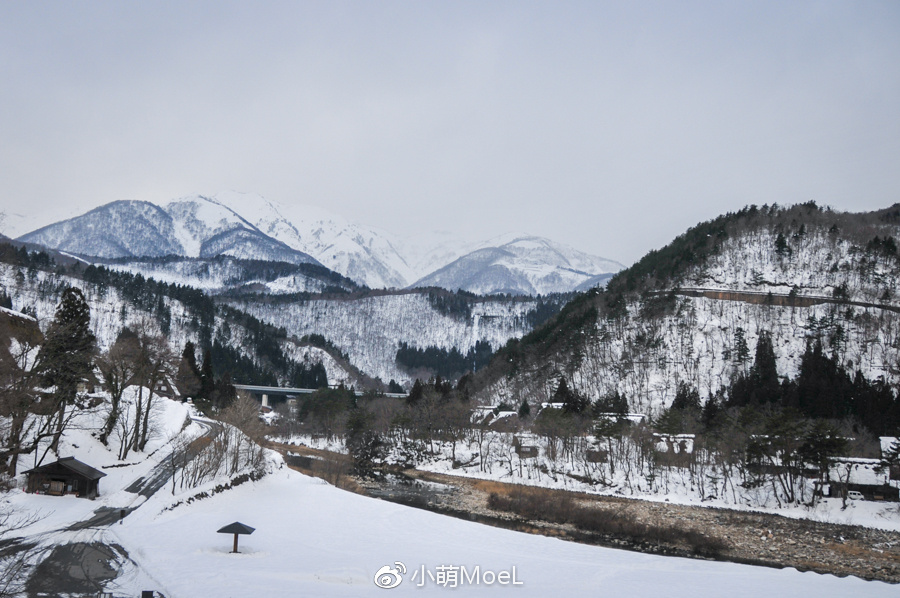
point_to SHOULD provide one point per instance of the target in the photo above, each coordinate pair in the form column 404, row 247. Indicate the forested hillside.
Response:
column 373, row 327
column 693, row 312
column 239, row 346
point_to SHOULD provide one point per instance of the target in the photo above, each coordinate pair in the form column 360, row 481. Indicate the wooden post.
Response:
column 235, row 543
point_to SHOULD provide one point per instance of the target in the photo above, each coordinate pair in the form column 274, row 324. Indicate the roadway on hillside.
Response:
column 85, row 568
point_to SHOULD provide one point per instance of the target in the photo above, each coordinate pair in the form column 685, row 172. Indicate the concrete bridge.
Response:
column 264, row 392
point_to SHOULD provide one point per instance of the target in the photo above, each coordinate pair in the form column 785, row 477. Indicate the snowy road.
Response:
column 85, row 557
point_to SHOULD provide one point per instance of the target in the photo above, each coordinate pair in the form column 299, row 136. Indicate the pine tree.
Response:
column 764, row 373
column 416, row 392
column 188, row 378
column 524, row 409
column 67, row 356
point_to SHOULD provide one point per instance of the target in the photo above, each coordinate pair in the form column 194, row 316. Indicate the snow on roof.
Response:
column 635, row 418
column 16, row 314
column 887, row 442
column 861, row 472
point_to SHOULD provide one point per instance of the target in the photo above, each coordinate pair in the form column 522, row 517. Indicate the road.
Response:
column 86, row 566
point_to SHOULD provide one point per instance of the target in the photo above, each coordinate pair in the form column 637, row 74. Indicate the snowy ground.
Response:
column 312, row 539
column 315, row 540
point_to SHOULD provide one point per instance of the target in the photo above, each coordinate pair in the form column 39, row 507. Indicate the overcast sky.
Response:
column 610, row 126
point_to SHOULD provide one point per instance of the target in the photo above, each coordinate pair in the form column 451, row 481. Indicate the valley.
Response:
column 718, row 400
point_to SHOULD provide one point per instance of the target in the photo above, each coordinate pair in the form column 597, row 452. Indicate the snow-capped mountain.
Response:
column 366, row 255
column 250, row 227
column 117, row 229
column 521, row 265
column 189, row 227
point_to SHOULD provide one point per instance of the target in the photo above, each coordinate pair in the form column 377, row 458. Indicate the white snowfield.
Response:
column 313, row 539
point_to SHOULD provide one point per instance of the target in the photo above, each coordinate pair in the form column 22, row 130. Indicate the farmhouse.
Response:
column 866, row 476
column 66, row 476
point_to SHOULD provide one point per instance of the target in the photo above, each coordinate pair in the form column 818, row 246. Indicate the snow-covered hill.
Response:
column 40, row 292
column 117, row 229
column 224, row 273
column 826, row 279
column 370, row 329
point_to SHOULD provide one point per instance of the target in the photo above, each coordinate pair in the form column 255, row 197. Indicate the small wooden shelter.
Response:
column 66, row 476
column 237, row 528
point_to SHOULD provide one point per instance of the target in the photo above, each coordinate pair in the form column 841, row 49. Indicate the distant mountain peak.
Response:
column 249, row 226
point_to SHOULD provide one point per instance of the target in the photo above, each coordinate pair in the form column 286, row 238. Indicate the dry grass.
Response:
column 539, row 504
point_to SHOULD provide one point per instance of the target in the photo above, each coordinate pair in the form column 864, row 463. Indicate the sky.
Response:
column 609, row 126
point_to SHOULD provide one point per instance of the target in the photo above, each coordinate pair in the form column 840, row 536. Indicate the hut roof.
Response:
column 237, row 528
column 74, row 465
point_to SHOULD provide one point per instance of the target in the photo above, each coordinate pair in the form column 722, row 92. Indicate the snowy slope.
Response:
column 312, row 539
column 365, row 255
column 370, row 329
column 224, row 273
column 520, row 265
column 193, row 227
column 117, row 229
column 110, row 312
column 645, row 353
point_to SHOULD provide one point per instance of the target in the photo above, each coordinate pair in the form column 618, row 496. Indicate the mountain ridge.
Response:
column 211, row 225
column 692, row 312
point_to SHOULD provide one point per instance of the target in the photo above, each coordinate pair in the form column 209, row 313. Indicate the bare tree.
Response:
column 155, row 363
column 118, row 367
column 15, row 556
column 19, row 343
column 242, row 435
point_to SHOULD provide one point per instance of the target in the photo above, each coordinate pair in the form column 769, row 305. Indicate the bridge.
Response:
column 284, row 391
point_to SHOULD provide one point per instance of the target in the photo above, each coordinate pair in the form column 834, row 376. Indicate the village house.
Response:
column 66, row 476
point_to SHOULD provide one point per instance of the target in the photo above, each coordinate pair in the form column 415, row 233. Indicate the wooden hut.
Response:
column 66, row 476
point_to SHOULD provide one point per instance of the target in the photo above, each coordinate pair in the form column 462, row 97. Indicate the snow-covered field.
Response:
column 312, row 539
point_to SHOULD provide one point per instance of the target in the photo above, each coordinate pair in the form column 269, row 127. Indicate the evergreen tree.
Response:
column 761, row 386
column 572, row 401
column 613, row 402
column 524, row 409
column 67, row 356
column 365, row 445
column 710, row 414
column 764, row 372
column 207, row 378
column 416, row 392
column 781, row 246
column 741, row 350
column 188, row 378
column 824, row 389
column 686, row 398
